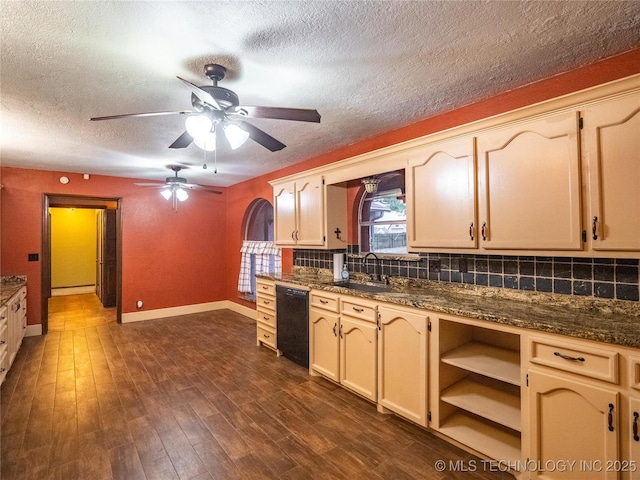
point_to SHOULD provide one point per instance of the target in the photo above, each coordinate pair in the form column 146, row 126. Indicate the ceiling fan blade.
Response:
column 277, row 113
column 150, row 184
column 201, row 94
column 260, row 136
column 183, row 141
column 148, row 114
column 195, row 186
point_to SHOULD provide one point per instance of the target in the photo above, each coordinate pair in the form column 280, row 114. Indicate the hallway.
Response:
column 71, row 312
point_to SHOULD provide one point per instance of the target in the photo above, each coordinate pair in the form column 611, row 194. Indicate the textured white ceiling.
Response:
column 366, row 66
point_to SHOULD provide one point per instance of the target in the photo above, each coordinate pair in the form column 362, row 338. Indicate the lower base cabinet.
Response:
column 402, row 358
column 573, row 421
column 358, row 362
column 324, row 343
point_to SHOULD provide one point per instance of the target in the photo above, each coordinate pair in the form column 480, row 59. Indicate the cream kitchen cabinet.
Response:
column 475, row 389
column 529, row 185
column 347, row 341
column 266, row 324
column 310, row 214
column 575, row 407
column 612, row 137
column 402, row 362
column 4, row 335
column 632, row 438
column 441, row 196
column 573, row 421
column 16, row 323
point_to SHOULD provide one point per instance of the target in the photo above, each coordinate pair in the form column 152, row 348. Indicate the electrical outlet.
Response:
column 434, row 266
column 32, row 257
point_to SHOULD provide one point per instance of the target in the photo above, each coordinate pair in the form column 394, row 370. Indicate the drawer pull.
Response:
column 2, row 342
column 2, row 369
column 324, row 301
column 635, row 427
column 335, row 325
column 266, row 302
column 567, row 357
column 265, row 335
column 265, row 318
column 358, row 309
column 610, row 417
column 264, row 287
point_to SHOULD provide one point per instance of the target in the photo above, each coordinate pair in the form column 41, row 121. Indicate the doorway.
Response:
column 108, row 276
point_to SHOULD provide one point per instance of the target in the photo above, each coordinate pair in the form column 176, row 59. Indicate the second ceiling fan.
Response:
column 217, row 110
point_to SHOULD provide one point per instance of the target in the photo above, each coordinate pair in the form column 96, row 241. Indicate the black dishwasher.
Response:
column 292, row 307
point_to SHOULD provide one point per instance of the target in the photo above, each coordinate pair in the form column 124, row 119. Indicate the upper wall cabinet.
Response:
column 612, row 137
column 306, row 209
column 529, row 185
column 441, row 196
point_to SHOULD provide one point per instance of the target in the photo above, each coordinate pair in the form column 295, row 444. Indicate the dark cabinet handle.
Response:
column 2, row 369
column 594, row 228
column 335, row 325
column 471, row 230
column 264, row 287
column 2, row 342
column 324, row 301
column 266, row 318
column 297, row 236
column 293, row 235
column 635, row 427
column 341, row 336
column 484, row 230
column 265, row 335
column 567, row 357
column 358, row 309
column 610, row 417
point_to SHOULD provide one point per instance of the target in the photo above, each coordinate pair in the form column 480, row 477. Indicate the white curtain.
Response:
column 258, row 258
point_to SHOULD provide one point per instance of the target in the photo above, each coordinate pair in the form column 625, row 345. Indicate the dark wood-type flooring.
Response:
column 192, row 397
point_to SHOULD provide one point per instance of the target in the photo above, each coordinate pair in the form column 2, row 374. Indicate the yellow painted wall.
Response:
column 73, row 247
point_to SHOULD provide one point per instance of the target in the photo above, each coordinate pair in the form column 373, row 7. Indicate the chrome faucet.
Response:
column 376, row 265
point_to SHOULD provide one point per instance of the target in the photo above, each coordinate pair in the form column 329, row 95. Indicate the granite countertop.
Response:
column 609, row 321
column 9, row 286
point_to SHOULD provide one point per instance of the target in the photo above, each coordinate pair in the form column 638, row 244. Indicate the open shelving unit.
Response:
column 479, row 388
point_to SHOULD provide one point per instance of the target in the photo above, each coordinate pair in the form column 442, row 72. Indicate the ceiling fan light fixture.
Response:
column 198, row 125
column 166, row 193
column 206, row 142
column 181, row 194
column 236, row 135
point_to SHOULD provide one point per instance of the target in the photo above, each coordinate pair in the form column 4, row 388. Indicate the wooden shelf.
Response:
column 488, row 360
column 496, row 405
column 482, row 437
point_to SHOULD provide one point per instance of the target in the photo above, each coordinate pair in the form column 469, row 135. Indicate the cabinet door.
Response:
column 612, row 131
column 633, row 439
column 529, row 185
column 441, row 196
column 284, row 198
column 310, row 211
column 358, row 352
column 402, row 354
column 569, row 421
column 324, row 343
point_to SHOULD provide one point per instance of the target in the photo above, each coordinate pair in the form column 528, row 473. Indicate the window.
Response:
column 382, row 217
column 259, row 253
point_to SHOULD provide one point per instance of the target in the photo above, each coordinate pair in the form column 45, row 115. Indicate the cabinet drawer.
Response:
column 266, row 317
column 267, row 336
column 266, row 302
column 591, row 362
column 324, row 301
column 4, row 365
column 265, row 287
column 357, row 309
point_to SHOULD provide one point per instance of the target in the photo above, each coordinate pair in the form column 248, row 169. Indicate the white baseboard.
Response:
column 59, row 292
column 33, row 330
column 186, row 310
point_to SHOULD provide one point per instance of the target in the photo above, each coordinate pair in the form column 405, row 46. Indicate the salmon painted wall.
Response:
column 168, row 258
column 242, row 194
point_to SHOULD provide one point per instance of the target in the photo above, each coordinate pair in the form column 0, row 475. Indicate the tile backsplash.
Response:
column 594, row 277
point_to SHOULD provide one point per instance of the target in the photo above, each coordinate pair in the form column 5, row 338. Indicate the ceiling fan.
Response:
column 176, row 187
column 217, row 109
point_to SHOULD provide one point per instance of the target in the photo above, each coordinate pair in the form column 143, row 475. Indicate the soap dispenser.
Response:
column 345, row 273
